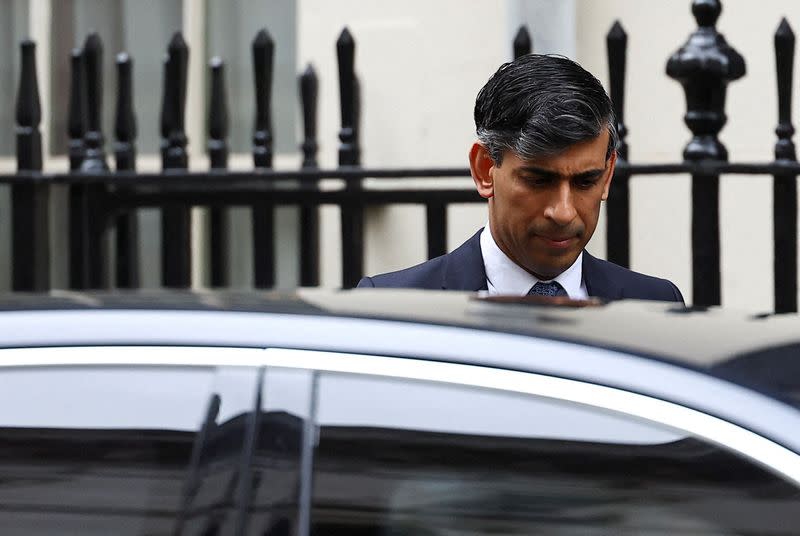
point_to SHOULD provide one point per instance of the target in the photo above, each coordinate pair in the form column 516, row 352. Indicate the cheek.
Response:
column 589, row 209
column 523, row 202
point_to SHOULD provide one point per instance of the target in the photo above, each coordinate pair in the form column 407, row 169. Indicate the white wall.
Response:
column 421, row 64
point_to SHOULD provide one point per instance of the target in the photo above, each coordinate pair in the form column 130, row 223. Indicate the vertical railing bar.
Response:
column 262, row 211
column 352, row 210
column 94, row 161
column 436, row 227
column 309, row 212
column 218, row 156
column 704, row 66
column 618, row 203
column 175, row 221
column 78, row 211
column 784, row 195
column 76, row 114
column 125, row 132
column 30, row 243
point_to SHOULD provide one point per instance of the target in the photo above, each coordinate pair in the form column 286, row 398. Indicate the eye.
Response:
column 586, row 183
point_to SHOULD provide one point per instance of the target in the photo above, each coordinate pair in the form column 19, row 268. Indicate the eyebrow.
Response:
column 588, row 174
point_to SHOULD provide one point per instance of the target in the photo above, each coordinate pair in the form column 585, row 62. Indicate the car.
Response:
column 393, row 412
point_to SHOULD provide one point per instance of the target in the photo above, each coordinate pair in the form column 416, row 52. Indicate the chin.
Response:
column 553, row 269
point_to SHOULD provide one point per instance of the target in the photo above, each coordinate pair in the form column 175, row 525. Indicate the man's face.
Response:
column 543, row 212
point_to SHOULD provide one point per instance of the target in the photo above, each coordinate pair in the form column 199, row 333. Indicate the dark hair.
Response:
column 538, row 105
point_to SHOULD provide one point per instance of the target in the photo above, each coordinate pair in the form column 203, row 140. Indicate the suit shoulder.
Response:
column 426, row 275
column 641, row 286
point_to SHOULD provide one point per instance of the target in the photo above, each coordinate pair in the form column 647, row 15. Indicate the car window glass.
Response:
column 410, row 457
column 430, row 407
column 124, row 450
column 57, row 397
column 276, row 464
column 213, row 487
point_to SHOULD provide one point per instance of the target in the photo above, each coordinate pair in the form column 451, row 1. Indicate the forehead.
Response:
column 582, row 156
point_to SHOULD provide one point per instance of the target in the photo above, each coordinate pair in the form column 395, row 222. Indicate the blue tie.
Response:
column 552, row 288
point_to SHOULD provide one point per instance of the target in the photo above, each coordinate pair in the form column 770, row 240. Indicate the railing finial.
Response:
column 263, row 57
column 173, row 105
column 706, row 12
column 125, row 129
column 76, row 114
column 704, row 66
column 784, row 63
column 94, row 157
column 29, row 111
column 308, row 101
column 349, row 152
column 218, row 116
column 617, row 45
column 522, row 42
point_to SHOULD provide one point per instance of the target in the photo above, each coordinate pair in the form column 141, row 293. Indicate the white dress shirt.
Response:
column 504, row 276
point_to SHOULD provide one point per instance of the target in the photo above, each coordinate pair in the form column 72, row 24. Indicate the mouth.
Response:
column 557, row 242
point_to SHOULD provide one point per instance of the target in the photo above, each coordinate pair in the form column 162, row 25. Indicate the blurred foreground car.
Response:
column 377, row 412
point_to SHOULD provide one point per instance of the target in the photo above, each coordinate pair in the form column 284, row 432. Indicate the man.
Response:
column 544, row 159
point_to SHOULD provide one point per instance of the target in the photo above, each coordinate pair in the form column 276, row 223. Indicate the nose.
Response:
column 560, row 207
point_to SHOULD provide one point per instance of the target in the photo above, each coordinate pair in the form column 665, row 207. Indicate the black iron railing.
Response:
column 103, row 201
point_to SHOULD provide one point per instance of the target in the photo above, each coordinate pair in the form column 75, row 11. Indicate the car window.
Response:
column 124, row 450
column 276, row 480
column 399, row 456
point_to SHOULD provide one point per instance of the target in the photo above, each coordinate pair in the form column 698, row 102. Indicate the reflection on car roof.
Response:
column 733, row 343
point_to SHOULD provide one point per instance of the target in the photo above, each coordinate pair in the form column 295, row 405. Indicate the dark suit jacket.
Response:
column 462, row 269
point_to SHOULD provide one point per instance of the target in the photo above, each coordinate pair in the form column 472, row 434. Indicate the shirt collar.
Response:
column 504, row 276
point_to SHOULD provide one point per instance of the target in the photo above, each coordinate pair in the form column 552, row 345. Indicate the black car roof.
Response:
column 759, row 351
column 699, row 337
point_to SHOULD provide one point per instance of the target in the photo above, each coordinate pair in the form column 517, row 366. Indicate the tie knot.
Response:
column 553, row 288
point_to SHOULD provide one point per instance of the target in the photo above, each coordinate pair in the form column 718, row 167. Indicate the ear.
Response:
column 612, row 162
column 482, row 167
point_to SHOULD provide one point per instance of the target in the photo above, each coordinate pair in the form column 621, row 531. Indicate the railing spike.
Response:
column 263, row 50
column 173, row 151
column 76, row 114
column 29, row 111
column 784, row 63
column 218, row 156
column 125, row 129
column 617, row 46
column 308, row 99
column 218, row 116
column 618, row 204
column 522, row 42
column 349, row 153
column 95, row 157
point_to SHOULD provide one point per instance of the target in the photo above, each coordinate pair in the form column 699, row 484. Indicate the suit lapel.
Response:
column 598, row 282
column 463, row 268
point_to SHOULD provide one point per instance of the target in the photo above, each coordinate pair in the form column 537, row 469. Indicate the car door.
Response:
column 124, row 440
column 408, row 446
